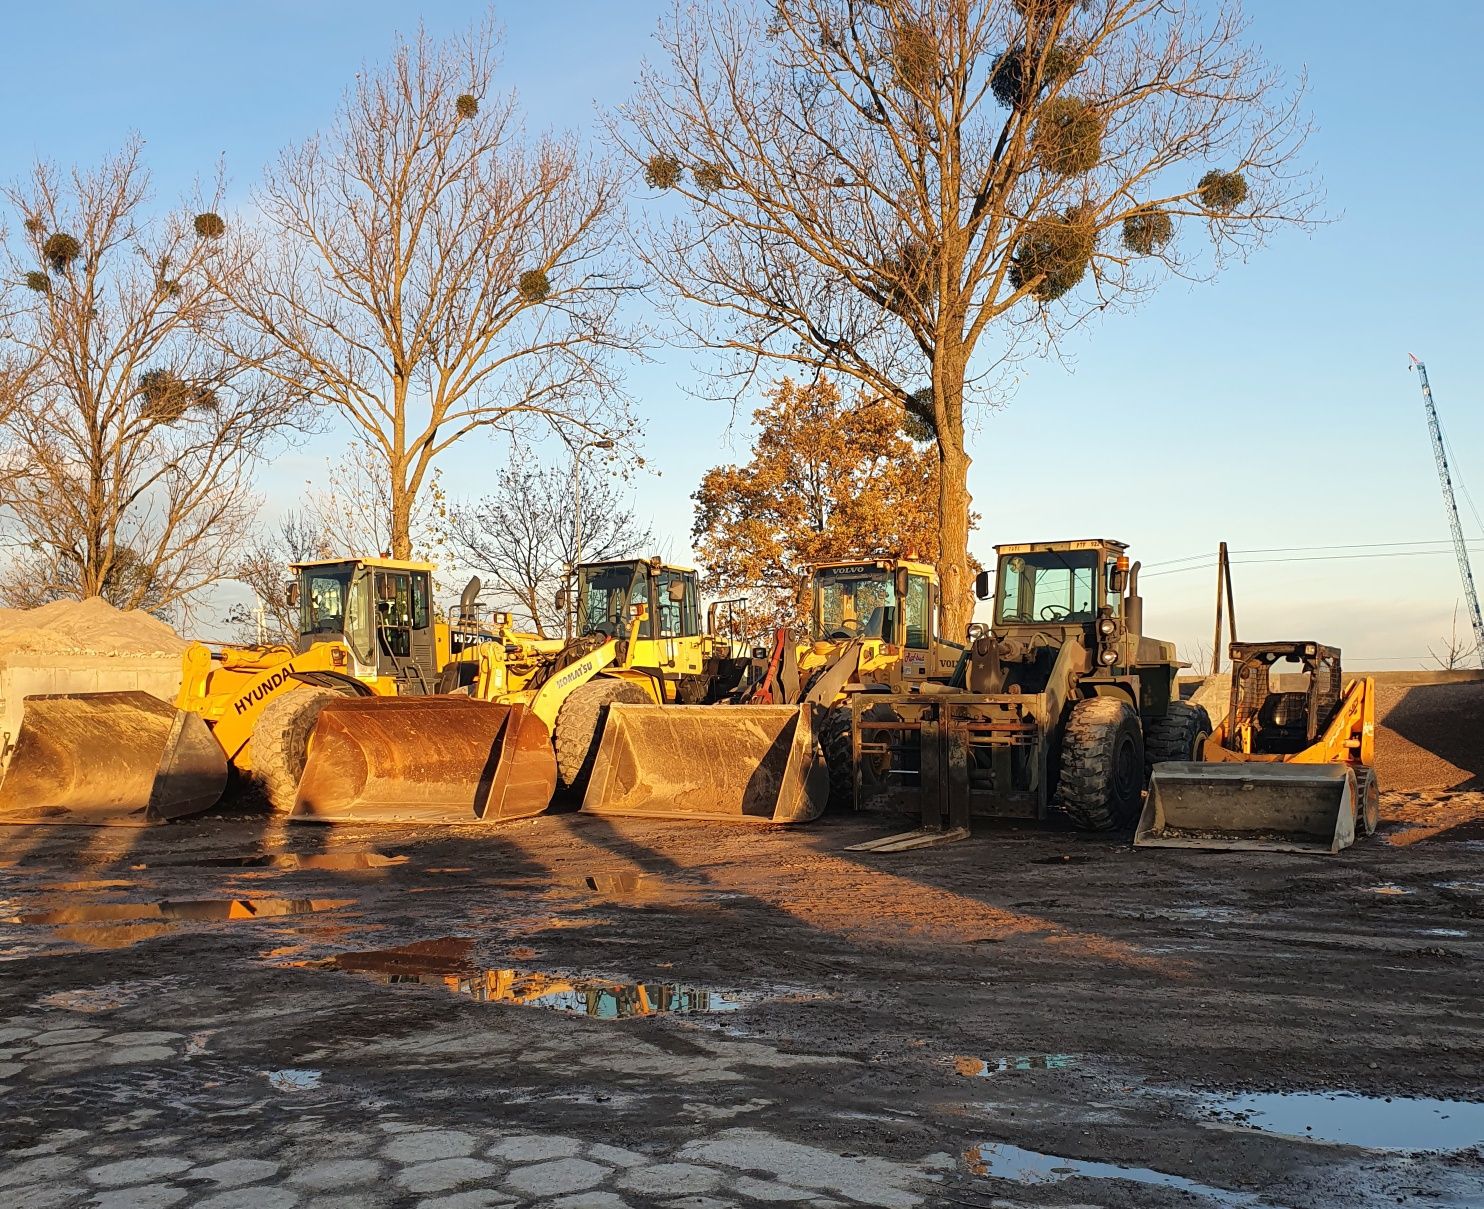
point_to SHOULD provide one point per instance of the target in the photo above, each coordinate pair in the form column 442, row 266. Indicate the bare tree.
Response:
column 1454, row 652
column 520, row 537
column 429, row 270
column 132, row 437
column 351, row 513
column 263, row 566
column 911, row 192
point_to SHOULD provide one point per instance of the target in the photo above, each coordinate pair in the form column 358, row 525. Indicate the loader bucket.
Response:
column 741, row 763
column 1280, row 807
column 425, row 760
column 122, row 759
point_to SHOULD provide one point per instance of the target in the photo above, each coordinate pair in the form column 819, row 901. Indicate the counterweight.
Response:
column 1460, row 547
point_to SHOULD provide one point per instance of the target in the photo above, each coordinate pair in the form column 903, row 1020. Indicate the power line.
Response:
column 1296, row 549
column 1318, row 558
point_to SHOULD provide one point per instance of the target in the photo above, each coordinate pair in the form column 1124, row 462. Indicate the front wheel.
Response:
column 280, row 742
column 1180, row 735
column 1367, row 801
column 579, row 725
column 1101, row 781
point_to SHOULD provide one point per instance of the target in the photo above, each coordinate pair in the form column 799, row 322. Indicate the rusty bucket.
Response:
column 123, row 759
column 425, row 760
column 738, row 764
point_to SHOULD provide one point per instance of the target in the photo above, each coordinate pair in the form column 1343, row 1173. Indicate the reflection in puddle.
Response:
column 1466, row 887
column 108, row 996
column 1452, row 933
column 980, row 1068
column 1002, row 1161
column 203, row 910
column 282, row 860
column 444, row 963
column 293, row 1080
column 1369, row 1121
column 1388, row 888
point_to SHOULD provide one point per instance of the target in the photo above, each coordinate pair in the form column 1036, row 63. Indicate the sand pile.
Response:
column 85, row 627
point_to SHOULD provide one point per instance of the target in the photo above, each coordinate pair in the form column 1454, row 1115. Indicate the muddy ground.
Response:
column 871, row 1030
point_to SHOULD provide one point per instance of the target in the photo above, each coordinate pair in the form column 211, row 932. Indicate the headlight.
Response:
column 1106, row 627
column 1108, row 657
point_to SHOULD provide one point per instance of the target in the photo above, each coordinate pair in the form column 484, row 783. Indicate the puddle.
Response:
column 1452, row 933
column 981, row 1068
column 206, row 910
column 292, row 1080
column 1387, row 888
column 1372, row 1122
column 1466, row 887
column 282, row 860
column 1005, row 1162
column 445, row 964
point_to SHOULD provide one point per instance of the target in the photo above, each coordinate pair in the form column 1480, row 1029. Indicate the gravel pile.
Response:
column 1430, row 736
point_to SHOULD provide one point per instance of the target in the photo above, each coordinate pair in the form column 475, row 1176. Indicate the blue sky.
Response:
column 1271, row 409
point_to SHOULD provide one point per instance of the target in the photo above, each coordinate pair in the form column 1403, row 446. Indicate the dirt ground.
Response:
column 992, row 1023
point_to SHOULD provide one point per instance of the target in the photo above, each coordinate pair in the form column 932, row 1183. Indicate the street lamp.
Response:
column 577, row 452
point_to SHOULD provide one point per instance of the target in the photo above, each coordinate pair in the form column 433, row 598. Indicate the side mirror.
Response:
column 1117, row 581
column 386, row 587
column 676, row 591
column 977, row 629
column 291, row 594
column 981, row 586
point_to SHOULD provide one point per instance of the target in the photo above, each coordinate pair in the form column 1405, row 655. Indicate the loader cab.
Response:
column 1283, row 696
column 891, row 600
column 382, row 610
column 609, row 595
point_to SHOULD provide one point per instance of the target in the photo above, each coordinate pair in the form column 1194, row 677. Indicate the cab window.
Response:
column 678, row 618
column 1049, row 586
column 420, row 601
column 639, row 595
column 919, row 624
column 322, row 603
column 394, row 612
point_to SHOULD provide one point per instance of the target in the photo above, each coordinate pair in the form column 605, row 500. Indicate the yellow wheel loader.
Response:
column 753, row 761
column 639, row 642
column 1290, row 768
column 1065, row 704
column 366, row 628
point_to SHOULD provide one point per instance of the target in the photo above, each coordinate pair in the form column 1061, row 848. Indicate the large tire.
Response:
column 1180, row 735
column 839, row 759
column 1101, row 782
column 280, row 743
column 579, row 725
column 1367, row 802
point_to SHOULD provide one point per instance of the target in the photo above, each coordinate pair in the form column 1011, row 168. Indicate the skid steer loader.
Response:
column 366, row 627
column 1289, row 768
column 752, row 760
column 639, row 643
column 1065, row 704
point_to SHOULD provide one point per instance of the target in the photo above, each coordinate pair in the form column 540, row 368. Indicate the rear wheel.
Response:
column 280, row 743
column 1101, row 780
column 579, row 725
column 1180, row 735
column 1367, row 801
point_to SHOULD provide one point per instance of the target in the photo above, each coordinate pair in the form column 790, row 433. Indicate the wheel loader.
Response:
column 366, row 628
column 1290, row 768
column 1065, row 704
column 872, row 626
column 639, row 642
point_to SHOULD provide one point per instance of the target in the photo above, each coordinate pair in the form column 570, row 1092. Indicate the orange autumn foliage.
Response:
column 828, row 479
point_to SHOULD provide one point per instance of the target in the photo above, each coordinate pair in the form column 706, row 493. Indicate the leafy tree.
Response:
column 910, row 193
column 519, row 538
column 829, row 478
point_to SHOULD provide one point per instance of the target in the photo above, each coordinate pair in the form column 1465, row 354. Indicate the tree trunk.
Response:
column 401, row 526
column 956, row 603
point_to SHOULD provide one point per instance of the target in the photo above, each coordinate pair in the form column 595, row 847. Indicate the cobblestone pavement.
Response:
column 579, row 1013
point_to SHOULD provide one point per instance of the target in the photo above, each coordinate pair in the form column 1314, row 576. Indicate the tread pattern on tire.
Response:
column 1089, row 742
column 280, row 743
column 579, row 722
column 1173, row 736
column 839, row 762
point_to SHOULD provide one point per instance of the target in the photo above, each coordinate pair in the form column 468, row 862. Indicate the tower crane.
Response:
column 1460, row 548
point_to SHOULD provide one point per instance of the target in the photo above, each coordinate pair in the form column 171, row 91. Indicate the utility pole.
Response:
column 1445, row 478
column 1223, row 592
